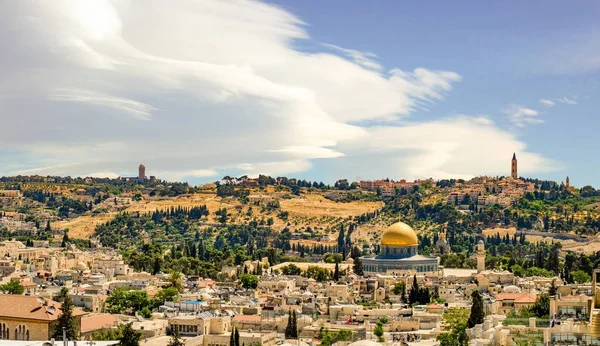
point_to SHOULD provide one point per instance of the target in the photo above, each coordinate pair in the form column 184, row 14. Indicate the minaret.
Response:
column 513, row 168
column 480, row 256
column 567, row 183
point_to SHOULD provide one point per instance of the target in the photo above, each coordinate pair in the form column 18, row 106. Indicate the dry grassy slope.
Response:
column 308, row 210
column 83, row 226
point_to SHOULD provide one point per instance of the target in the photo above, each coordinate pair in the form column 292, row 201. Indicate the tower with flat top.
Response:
column 480, row 255
column 513, row 167
column 142, row 172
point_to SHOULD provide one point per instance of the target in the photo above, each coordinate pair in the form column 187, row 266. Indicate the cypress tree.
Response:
column 341, row 239
column 477, row 313
column 236, row 338
column 413, row 296
column 294, row 325
column 288, row 328
column 336, row 273
column 66, row 319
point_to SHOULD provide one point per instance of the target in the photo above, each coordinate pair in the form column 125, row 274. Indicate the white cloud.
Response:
column 459, row 146
column 552, row 102
column 139, row 110
column 233, row 92
column 364, row 59
column 522, row 116
column 110, row 175
column 566, row 100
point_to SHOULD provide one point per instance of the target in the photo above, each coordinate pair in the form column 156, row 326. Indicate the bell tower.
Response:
column 513, row 167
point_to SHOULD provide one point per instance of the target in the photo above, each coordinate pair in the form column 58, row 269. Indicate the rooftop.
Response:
column 28, row 307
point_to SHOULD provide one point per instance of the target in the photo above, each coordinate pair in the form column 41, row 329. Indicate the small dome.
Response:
column 399, row 234
column 480, row 242
column 512, row 289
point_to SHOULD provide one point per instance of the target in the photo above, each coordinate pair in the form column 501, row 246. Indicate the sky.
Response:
column 197, row 90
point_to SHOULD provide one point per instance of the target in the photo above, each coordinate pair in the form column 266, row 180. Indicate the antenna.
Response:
column 50, row 310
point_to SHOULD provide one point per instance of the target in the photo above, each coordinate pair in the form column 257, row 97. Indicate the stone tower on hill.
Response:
column 142, row 172
column 513, row 167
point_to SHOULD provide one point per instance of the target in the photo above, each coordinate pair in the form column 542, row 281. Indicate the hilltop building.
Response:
column 141, row 177
column 142, row 172
column 399, row 244
column 513, row 167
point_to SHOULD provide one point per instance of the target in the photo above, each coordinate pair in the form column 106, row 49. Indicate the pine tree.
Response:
column 176, row 340
column 130, row 336
column 66, row 319
column 357, row 267
column 477, row 313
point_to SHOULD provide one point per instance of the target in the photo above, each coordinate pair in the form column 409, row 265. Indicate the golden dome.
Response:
column 399, row 234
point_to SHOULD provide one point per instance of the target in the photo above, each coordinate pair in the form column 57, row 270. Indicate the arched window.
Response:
column 22, row 332
column 4, row 332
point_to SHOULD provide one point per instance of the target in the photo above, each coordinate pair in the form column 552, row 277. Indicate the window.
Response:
column 21, row 332
column 4, row 332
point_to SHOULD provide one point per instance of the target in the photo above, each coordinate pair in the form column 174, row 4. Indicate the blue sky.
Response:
column 317, row 90
column 508, row 52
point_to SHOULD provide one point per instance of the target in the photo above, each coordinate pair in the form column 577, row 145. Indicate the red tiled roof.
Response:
column 517, row 297
column 97, row 322
column 28, row 307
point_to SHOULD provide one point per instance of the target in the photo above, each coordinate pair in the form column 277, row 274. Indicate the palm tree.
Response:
column 175, row 279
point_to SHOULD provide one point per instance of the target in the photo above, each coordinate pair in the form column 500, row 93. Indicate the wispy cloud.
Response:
column 364, row 59
column 552, row 102
column 522, row 116
column 138, row 109
column 252, row 104
column 567, row 100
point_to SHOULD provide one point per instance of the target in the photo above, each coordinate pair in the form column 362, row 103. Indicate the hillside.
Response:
column 312, row 213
